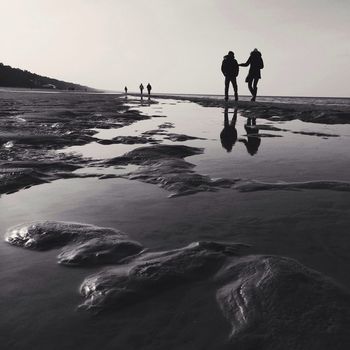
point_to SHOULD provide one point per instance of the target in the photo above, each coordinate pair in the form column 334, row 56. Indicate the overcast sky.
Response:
column 178, row 45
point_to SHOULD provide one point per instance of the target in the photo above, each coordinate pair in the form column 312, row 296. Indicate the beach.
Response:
column 269, row 181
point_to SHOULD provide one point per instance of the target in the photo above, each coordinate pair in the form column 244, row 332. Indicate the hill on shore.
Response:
column 15, row 77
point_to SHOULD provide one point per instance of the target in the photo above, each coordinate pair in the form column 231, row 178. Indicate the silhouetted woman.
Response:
column 256, row 64
column 253, row 140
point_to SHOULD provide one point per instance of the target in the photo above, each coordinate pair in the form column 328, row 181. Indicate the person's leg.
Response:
column 226, row 124
column 234, row 118
column 227, row 84
column 235, row 88
column 250, row 86
column 255, row 87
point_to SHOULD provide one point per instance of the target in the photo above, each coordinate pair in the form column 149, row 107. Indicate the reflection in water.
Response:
column 228, row 134
column 145, row 103
column 253, row 140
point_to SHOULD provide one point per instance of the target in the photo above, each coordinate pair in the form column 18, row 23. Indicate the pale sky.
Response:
column 178, row 45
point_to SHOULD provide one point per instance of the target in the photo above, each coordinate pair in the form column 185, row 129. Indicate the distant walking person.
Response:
column 230, row 69
column 126, row 90
column 149, row 88
column 141, row 89
column 256, row 64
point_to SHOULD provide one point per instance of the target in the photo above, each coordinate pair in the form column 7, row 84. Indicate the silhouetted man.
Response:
column 141, row 89
column 230, row 70
column 149, row 88
column 228, row 134
column 126, row 90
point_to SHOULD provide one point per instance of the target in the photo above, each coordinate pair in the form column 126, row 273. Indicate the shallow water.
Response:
column 283, row 155
column 38, row 298
column 321, row 101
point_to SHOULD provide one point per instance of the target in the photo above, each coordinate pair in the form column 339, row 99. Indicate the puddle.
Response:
column 280, row 150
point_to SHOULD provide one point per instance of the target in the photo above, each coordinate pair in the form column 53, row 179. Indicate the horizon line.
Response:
column 219, row 95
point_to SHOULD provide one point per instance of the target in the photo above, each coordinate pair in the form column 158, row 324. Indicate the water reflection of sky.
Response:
column 290, row 157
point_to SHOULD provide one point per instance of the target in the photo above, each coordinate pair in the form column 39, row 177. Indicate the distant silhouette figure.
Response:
column 256, row 64
column 253, row 140
column 141, row 89
column 228, row 134
column 126, row 90
column 149, row 88
column 230, row 69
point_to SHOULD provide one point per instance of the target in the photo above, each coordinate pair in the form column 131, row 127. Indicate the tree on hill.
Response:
column 15, row 77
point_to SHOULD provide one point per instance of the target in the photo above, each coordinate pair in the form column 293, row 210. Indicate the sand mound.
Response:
column 177, row 177
column 181, row 137
column 271, row 302
column 164, row 166
column 149, row 154
column 154, row 272
column 13, row 179
column 277, row 303
column 129, row 140
column 101, row 250
column 83, row 244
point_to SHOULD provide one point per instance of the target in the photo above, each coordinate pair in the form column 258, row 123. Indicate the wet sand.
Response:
column 296, row 206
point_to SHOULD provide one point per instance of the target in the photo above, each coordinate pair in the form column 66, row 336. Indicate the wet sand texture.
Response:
column 276, row 303
column 164, row 165
column 307, row 185
column 82, row 244
column 36, row 126
column 154, row 272
column 269, row 301
column 129, row 140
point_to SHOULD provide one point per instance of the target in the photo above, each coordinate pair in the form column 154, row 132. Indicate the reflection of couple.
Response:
column 230, row 69
column 228, row 134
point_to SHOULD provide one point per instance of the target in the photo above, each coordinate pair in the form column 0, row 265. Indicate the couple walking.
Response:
column 149, row 88
column 230, row 69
